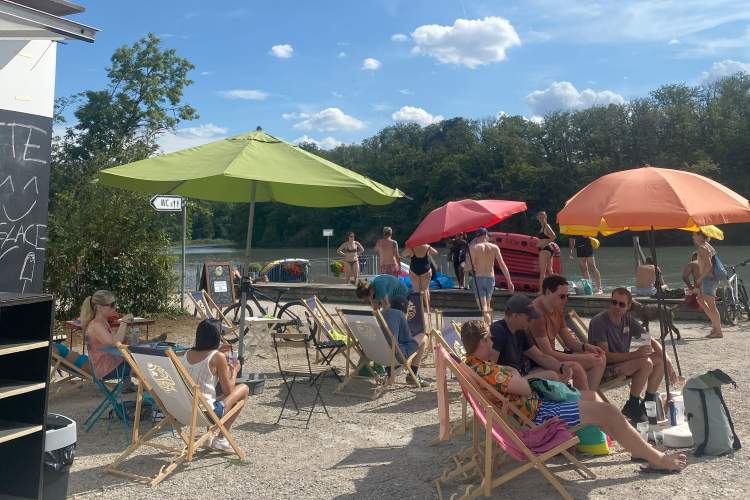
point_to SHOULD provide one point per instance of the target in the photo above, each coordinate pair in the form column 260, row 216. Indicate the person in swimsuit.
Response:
column 457, row 255
column 95, row 312
column 546, row 249
column 707, row 282
column 585, row 255
column 420, row 271
column 387, row 250
column 351, row 250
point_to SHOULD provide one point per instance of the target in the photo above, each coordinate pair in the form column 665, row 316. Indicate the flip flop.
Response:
column 647, row 469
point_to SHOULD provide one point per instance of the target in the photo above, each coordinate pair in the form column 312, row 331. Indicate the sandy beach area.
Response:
column 382, row 448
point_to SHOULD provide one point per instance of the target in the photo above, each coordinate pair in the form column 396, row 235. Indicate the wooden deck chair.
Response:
column 420, row 321
column 206, row 308
column 330, row 338
column 378, row 344
column 169, row 384
column 581, row 331
column 72, row 377
column 494, row 417
column 451, row 341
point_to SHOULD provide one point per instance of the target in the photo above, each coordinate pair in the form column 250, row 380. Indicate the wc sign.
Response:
column 166, row 203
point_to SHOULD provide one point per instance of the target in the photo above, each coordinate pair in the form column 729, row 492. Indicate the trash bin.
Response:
column 59, row 453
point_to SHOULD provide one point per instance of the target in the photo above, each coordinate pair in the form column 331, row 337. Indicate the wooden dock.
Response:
column 584, row 305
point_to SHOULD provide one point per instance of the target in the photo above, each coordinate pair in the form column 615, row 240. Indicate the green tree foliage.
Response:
column 105, row 238
column 701, row 129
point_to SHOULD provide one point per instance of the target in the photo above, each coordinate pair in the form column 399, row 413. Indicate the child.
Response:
column 206, row 366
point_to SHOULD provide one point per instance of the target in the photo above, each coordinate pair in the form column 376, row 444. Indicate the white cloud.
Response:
column 536, row 119
column 189, row 137
column 399, row 38
column 341, row 55
column 381, row 106
column 290, row 116
column 727, row 67
column 207, row 73
column 371, row 64
column 337, row 95
column 244, row 94
column 563, row 96
column 702, row 46
column 325, row 143
column 284, row 51
column 327, row 120
column 406, row 92
column 415, row 115
column 673, row 41
column 469, row 42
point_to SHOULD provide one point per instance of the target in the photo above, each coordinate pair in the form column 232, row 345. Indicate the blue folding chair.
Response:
column 112, row 398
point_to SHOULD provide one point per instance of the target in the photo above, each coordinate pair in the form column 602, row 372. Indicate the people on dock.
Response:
column 584, row 249
column 513, row 346
column 586, row 360
column 387, row 250
column 208, row 366
column 395, row 318
column 381, row 290
column 457, row 254
column 420, row 269
column 589, row 410
column 612, row 330
column 645, row 279
column 95, row 313
column 482, row 258
column 547, row 246
column 351, row 249
column 706, row 283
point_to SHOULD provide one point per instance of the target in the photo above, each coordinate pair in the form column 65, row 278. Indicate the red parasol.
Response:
column 462, row 216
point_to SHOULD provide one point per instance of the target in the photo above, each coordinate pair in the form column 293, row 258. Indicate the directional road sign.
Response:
column 167, row 203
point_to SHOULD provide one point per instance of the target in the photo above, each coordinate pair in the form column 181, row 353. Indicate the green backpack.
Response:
column 708, row 416
column 554, row 390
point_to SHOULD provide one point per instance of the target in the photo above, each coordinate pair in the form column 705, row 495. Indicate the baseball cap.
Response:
column 521, row 304
column 482, row 230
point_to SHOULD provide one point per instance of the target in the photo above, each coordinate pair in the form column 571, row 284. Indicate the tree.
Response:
column 105, row 238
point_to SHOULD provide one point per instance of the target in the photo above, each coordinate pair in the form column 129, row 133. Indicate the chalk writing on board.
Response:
column 24, row 191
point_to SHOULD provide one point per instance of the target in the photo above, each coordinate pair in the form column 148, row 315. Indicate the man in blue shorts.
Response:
column 483, row 256
column 589, row 410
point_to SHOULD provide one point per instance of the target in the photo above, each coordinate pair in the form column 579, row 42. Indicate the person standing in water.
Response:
column 351, row 250
column 387, row 250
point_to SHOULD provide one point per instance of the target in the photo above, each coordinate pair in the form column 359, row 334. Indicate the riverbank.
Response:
column 381, row 448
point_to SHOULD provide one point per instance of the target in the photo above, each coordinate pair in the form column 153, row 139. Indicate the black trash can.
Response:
column 59, row 453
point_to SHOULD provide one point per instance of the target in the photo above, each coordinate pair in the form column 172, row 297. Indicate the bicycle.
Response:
column 734, row 297
column 293, row 310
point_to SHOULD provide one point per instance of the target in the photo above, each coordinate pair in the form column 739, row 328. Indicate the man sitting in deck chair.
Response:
column 588, row 411
column 395, row 318
column 612, row 330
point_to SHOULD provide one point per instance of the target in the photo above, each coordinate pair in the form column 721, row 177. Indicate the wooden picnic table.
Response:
column 73, row 326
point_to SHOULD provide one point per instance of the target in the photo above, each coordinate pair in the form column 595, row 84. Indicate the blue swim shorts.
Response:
column 708, row 286
column 568, row 412
column 485, row 286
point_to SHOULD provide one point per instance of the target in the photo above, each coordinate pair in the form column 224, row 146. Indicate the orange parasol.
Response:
column 648, row 198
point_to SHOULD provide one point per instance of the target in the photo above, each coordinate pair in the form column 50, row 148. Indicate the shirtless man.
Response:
column 387, row 250
column 691, row 270
column 586, row 360
column 483, row 255
column 645, row 279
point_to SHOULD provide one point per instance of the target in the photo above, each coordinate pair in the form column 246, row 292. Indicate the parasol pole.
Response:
column 245, row 280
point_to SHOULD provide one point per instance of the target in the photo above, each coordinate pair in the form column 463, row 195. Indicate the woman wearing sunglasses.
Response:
column 95, row 313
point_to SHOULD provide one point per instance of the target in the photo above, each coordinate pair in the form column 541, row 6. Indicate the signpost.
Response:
column 327, row 233
column 170, row 203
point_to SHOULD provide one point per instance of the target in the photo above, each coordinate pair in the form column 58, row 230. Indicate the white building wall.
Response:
column 27, row 76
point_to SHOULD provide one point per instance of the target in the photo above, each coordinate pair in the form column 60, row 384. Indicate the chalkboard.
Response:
column 25, row 142
column 217, row 279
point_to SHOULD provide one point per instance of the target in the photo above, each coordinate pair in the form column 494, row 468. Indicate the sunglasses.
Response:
column 618, row 303
column 113, row 305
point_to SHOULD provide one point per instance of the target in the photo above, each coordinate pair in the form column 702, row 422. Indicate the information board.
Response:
column 217, row 279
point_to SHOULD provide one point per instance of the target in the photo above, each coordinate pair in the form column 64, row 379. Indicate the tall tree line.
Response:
column 702, row 129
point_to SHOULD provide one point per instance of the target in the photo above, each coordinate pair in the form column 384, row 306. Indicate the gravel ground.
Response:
column 377, row 449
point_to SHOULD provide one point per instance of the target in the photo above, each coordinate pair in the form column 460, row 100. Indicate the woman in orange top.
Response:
column 95, row 313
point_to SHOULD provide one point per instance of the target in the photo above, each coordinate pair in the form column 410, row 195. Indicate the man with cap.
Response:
column 483, row 256
column 514, row 348
column 387, row 250
column 395, row 318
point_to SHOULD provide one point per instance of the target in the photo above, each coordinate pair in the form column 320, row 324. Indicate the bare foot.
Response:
column 670, row 461
column 714, row 335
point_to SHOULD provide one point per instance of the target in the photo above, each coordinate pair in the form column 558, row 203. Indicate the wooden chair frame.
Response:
column 192, row 439
column 382, row 382
column 207, row 308
column 321, row 315
column 481, row 460
column 74, row 377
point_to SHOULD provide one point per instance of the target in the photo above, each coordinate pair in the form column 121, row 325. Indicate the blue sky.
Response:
column 340, row 70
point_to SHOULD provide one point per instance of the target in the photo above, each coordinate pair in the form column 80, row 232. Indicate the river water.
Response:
column 616, row 264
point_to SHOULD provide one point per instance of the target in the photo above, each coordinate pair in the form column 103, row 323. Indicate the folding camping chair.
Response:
column 169, row 384
column 581, row 331
column 206, row 308
column 72, row 378
column 378, row 344
column 496, row 418
column 420, row 321
column 292, row 371
column 328, row 338
column 111, row 390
